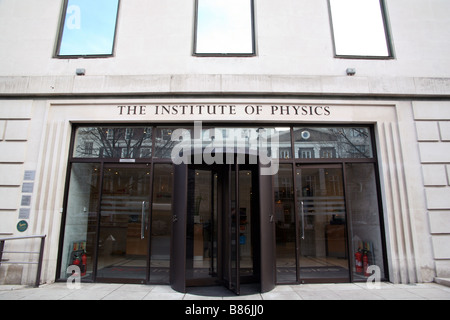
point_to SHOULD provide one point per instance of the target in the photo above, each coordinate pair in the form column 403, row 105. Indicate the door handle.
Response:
column 143, row 220
column 302, row 211
column 174, row 218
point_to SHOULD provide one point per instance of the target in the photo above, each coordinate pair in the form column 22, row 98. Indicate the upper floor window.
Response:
column 224, row 27
column 88, row 28
column 359, row 28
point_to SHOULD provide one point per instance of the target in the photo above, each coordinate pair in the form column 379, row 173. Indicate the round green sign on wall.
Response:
column 22, row 226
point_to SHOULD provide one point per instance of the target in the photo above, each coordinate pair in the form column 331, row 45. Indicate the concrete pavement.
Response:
column 347, row 291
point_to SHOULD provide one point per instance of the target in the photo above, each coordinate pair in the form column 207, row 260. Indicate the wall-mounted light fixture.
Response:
column 350, row 71
column 80, row 72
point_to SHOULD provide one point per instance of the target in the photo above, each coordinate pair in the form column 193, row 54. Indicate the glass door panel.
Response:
column 221, row 228
column 233, row 231
column 201, row 233
column 124, row 227
column 247, row 205
column 321, row 223
column 161, row 223
column 284, row 219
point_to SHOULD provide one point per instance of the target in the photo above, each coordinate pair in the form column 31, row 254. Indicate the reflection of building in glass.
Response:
column 310, row 142
column 340, row 143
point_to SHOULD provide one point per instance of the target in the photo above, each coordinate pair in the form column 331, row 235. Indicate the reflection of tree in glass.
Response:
column 164, row 143
column 106, row 142
column 352, row 142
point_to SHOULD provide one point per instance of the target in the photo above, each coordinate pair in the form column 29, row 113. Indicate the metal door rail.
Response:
column 40, row 253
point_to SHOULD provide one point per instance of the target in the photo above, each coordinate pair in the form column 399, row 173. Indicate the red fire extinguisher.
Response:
column 366, row 264
column 76, row 261
column 359, row 262
column 83, row 264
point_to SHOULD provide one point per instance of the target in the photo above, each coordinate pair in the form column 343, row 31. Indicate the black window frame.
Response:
column 387, row 33
column 218, row 54
column 58, row 54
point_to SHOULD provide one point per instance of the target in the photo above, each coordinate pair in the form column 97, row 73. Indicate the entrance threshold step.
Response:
column 443, row 281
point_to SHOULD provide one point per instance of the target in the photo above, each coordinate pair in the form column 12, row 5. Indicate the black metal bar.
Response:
column 21, row 238
column 2, row 246
column 41, row 256
column 19, row 262
column 30, row 252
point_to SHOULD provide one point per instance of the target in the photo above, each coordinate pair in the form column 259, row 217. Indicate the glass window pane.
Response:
column 161, row 223
column 315, row 142
column 81, row 219
column 224, row 27
column 89, row 27
column 358, row 27
column 285, row 225
column 284, row 142
column 167, row 138
column 365, row 218
column 113, row 142
column 247, row 140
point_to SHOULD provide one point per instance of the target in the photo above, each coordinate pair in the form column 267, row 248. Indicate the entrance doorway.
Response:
column 132, row 215
column 222, row 227
column 126, row 210
column 323, row 233
column 124, row 223
column 311, row 228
